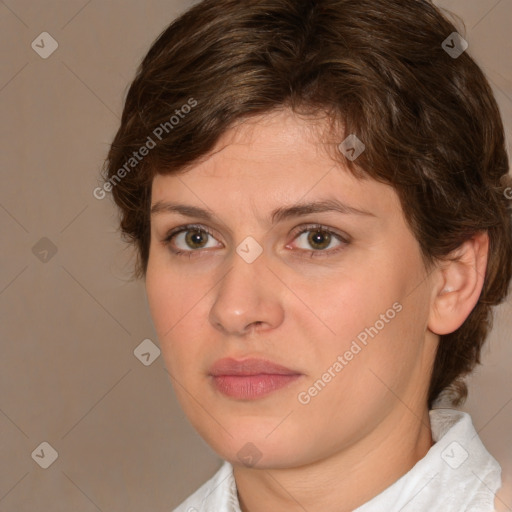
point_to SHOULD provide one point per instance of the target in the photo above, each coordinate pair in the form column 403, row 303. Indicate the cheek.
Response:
column 165, row 304
column 170, row 293
column 178, row 306
column 160, row 298
column 374, row 321
column 349, row 303
column 356, row 376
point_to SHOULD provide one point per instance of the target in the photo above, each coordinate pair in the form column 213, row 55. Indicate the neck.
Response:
column 346, row 479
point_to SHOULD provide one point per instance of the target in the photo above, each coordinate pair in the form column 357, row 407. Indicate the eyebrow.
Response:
column 278, row 215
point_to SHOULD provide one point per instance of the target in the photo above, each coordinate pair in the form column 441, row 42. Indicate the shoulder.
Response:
column 468, row 468
column 218, row 494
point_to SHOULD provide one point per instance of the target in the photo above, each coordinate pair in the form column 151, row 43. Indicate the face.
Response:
column 339, row 297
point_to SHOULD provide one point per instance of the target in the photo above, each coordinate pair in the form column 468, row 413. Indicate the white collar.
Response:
column 457, row 474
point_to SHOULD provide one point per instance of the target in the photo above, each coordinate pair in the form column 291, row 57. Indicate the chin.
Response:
column 261, row 446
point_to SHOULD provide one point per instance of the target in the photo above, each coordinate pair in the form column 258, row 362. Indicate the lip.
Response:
column 250, row 379
column 251, row 366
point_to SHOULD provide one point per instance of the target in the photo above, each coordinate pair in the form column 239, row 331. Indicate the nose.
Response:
column 247, row 299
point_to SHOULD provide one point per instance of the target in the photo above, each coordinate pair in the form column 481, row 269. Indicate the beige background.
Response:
column 70, row 324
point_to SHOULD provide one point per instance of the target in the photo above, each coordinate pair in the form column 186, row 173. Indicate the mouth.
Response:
column 250, row 379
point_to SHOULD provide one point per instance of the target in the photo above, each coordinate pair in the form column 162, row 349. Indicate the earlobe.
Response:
column 461, row 281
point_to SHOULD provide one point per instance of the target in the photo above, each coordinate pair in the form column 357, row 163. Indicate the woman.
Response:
column 316, row 191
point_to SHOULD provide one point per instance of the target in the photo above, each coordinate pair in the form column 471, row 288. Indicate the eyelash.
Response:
column 304, row 229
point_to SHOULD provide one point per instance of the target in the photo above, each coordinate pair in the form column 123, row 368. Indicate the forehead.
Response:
column 266, row 141
column 269, row 160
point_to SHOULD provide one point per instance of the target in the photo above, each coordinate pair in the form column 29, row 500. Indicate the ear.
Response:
column 459, row 286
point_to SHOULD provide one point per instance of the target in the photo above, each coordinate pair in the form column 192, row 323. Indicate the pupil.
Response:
column 316, row 239
column 195, row 237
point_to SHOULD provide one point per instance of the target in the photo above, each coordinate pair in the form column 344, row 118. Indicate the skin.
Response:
column 369, row 425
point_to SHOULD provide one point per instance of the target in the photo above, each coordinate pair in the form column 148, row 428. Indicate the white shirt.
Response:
column 457, row 474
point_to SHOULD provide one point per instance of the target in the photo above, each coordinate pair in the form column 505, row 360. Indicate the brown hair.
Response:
column 429, row 122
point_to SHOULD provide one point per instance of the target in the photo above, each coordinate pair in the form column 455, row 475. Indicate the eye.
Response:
column 321, row 238
column 194, row 237
column 191, row 239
